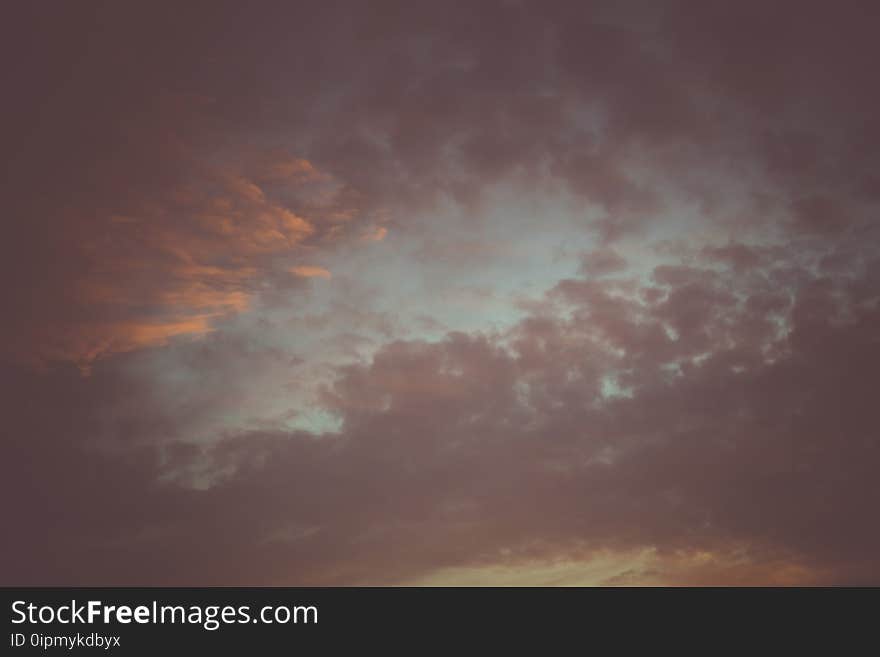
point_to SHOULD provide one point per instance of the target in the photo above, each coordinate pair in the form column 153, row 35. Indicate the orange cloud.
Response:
column 308, row 271
column 376, row 235
column 174, row 264
column 86, row 342
column 293, row 169
column 646, row 567
column 132, row 267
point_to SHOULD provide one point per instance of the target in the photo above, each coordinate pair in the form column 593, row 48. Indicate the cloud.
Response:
column 169, row 267
column 611, row 103
column 377, row 234
column 309, row 271
column 688, row 399
column 741, row 455
column 601, row 262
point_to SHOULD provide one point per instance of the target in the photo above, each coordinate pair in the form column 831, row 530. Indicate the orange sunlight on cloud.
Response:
column 308, row 271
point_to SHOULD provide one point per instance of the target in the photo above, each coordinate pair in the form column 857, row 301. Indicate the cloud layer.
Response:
column 486, row 293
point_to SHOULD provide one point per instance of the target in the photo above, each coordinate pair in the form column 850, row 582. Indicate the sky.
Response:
column 422, row 293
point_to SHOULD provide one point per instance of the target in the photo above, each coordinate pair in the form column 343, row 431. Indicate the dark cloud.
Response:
column 171, row 167
column 451, row 452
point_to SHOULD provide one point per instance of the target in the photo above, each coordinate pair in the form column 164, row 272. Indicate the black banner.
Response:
column 149, row 620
